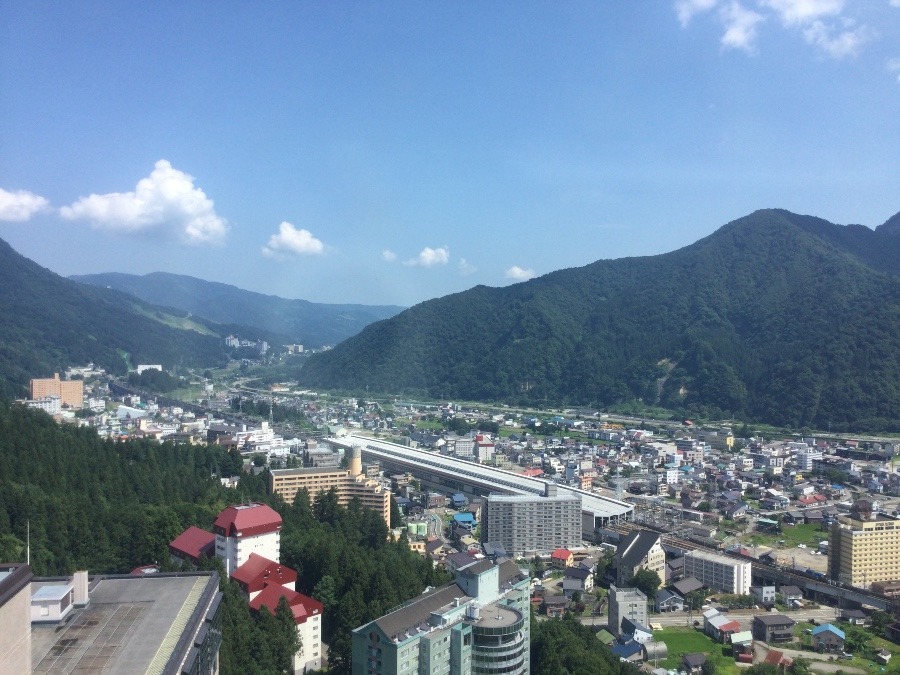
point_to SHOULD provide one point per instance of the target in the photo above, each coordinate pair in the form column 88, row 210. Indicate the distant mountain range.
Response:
column 308, row 323
column 775, row 317
column 48, row 322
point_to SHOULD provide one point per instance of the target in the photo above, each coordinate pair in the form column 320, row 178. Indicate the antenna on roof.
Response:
column 27, row 542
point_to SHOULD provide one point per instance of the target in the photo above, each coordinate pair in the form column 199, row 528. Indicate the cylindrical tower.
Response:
column 501, row 644
column 355, row 461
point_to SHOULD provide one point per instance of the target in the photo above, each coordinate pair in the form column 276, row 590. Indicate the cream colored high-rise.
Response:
column 346, row 483
column 864, row 547
column 70, row 392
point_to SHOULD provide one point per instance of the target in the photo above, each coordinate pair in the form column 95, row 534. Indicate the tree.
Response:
column 646, row 581
column 286, row 639
column 603, row 565
column 800, row 666
column 537, row 567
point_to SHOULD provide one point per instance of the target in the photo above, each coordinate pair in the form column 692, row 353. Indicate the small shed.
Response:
column 52, row 603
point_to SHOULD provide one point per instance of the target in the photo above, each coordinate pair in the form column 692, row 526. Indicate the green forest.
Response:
column 775, row 318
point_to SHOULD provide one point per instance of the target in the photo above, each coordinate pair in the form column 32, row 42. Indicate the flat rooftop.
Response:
column 498, row 616
column 132, row 625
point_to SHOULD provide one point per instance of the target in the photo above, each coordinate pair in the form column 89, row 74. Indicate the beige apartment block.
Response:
column 70, row 392
column 346, row 483
column 864, row 547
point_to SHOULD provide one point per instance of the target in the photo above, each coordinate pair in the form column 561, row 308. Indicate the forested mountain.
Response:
column 775, row 317
column 308, row 323
column 48, row 322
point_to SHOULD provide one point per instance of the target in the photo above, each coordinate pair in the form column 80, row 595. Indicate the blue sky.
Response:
column 388, row 153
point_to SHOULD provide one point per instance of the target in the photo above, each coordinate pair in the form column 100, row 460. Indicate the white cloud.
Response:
column 687, row 9
column 795, row 12
column 895, row 3
column 465, row 267
column 822, row 23
column 388, row 255
column 893, row 65
column 429, row 257
column 20, row 205
column 166, row 200
column 740, row 26
column 517, row 273
column 291, row 241
column 837, row 44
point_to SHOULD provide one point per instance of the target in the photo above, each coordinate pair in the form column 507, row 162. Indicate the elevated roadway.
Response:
column 461, row 476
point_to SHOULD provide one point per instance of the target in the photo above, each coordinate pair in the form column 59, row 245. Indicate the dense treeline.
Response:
column 97, row 504
column 155, row 380
column 775, row 318
column 566, row 647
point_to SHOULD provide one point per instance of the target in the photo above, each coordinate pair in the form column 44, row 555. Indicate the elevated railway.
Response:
column 454, row 474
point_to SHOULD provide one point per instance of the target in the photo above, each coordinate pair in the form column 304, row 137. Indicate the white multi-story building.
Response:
column 718, row 572
column 52, row 405
column 244, row 529
column 532, row 523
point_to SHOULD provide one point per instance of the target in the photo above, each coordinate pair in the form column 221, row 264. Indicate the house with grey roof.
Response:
column 640, row 549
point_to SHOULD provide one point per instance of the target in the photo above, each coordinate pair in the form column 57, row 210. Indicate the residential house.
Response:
column 668, row 601
column 692, row 664
column 631, row 651
column 577, row 580
column 857, row 617
column 828, row 638
column 562, row 558
column 638, row 632
column 773, row 628
column 764, row 594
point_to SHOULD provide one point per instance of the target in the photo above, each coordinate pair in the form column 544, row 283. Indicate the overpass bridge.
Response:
column 456, row 475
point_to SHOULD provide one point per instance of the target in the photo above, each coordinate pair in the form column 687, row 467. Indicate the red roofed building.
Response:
column 308, row 617
column 258, row 572
column 562, row 557
column 244, row 529
column 192, row 545
column 777, row 658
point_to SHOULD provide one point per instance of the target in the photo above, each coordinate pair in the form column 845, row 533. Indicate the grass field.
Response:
column 792, row 535
column 682, row 640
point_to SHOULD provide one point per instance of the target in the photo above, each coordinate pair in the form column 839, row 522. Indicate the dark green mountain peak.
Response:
column 776, row 316
column 890, row 226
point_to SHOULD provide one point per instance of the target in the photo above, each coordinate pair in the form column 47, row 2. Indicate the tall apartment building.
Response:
column 640, row 549
column 526, row 523
column 626, row 603
column 718, row 572
column 478, row 624
column 348, row 484
column 70, row 392
column 864, row 546
column 244, row 529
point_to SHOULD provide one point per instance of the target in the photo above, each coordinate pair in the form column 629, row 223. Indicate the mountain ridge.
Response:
column 768, row 317
column 312, row 324
column 49, row 323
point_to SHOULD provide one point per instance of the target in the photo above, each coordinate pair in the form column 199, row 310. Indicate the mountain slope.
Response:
column 312, row 324
column 48, row 322
column 774, row 317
